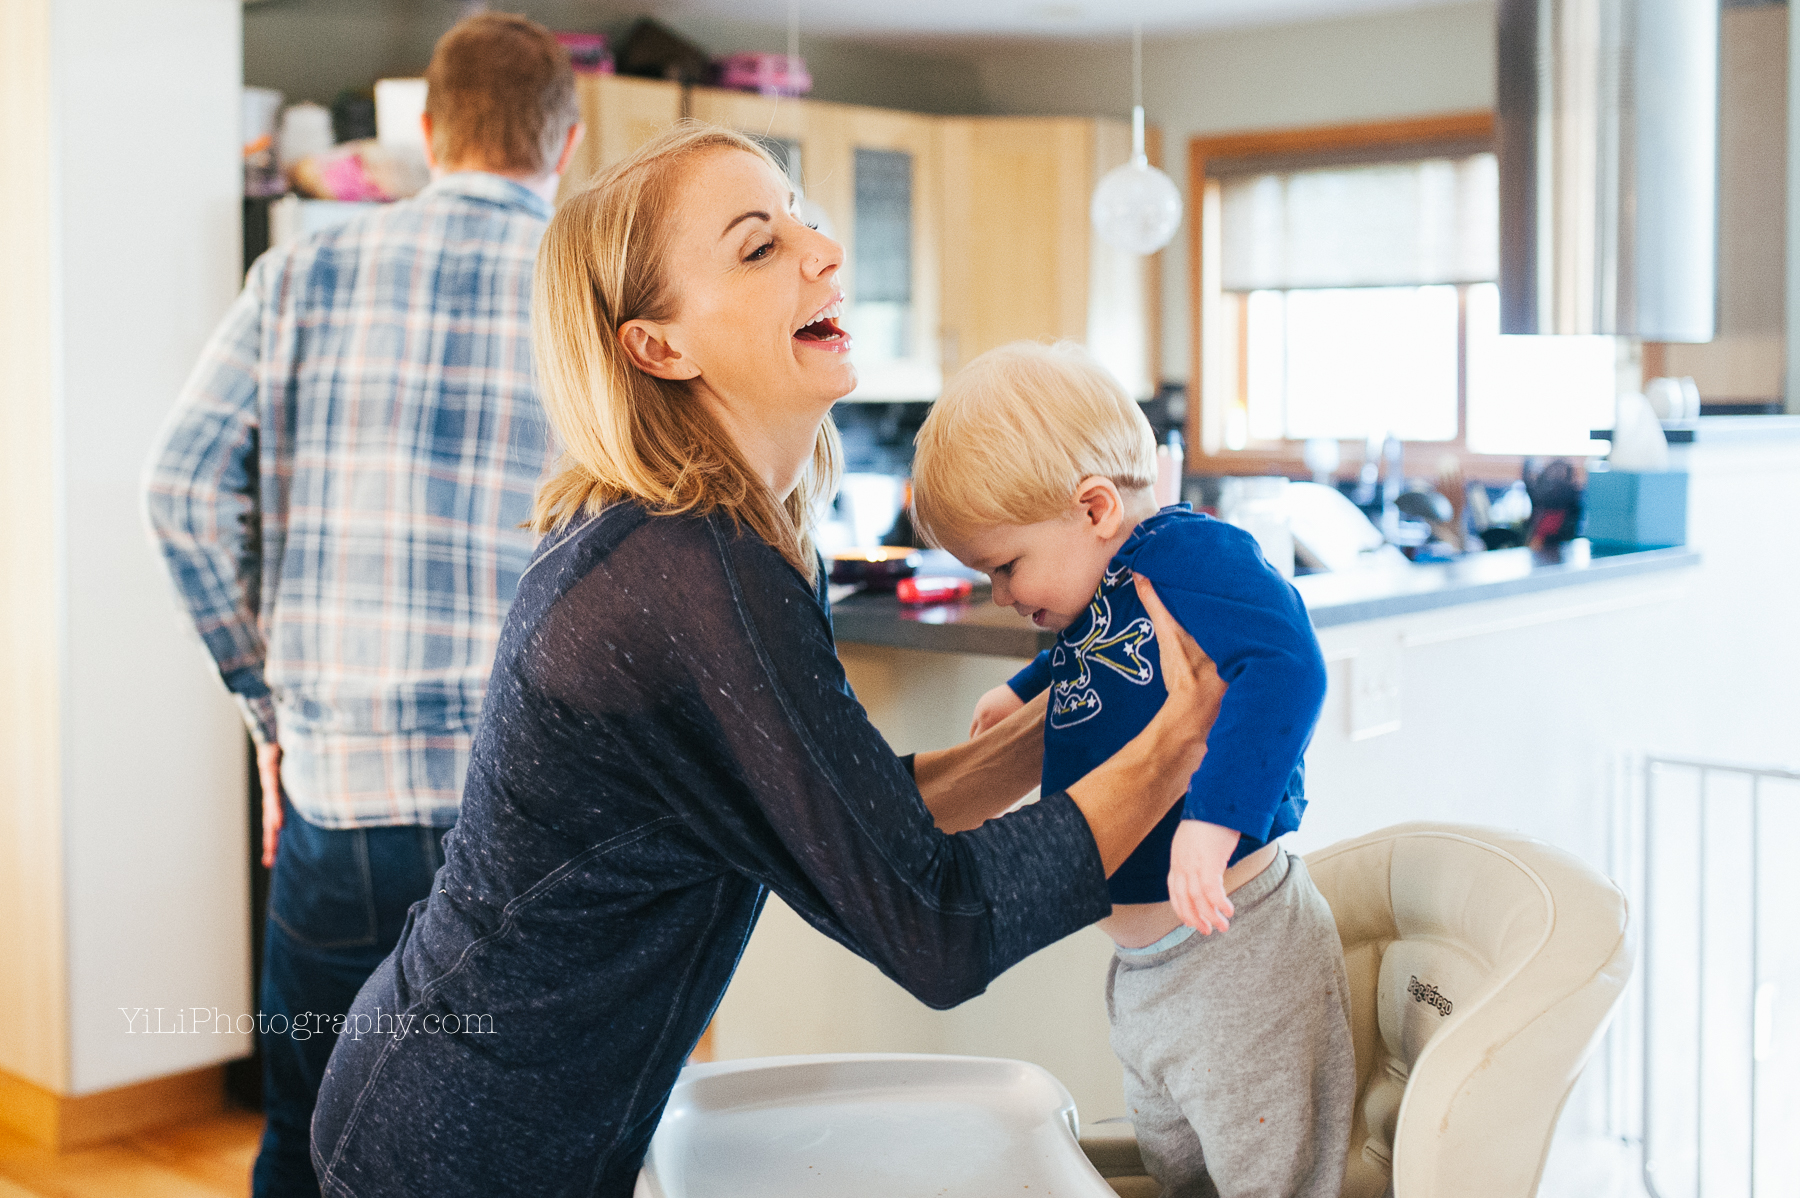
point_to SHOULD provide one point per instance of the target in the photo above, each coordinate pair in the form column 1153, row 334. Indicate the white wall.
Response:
column 139, row 229
column 1364, row 68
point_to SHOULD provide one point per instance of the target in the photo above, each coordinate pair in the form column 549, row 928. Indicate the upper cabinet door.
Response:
column 881, row 168
column 1020, row 260
column 621, row 114
column 1015, row 247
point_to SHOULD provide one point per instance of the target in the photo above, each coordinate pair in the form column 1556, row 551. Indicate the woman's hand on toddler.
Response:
column 1197, row 862
column 993, row 707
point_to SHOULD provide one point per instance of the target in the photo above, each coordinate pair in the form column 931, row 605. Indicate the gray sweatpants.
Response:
column 1239, row 1071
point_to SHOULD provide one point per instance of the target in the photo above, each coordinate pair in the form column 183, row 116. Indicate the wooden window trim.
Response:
column 1205, row 413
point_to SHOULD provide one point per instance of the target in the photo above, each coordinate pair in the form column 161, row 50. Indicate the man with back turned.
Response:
column 338, row 498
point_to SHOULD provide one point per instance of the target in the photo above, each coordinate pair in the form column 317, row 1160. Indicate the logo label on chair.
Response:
column 1428, row 994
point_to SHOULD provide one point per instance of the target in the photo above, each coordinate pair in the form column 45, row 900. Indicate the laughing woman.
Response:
column 668, row 735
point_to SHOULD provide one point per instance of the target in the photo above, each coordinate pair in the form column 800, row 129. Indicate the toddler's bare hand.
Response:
column 1197, row 861
column 993, row 707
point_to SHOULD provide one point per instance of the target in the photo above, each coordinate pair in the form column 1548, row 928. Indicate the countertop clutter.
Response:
column 978, row 627
column 1374, row 591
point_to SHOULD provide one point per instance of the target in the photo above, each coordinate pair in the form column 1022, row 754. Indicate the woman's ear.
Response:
column 647, row 345
column 1101, row 505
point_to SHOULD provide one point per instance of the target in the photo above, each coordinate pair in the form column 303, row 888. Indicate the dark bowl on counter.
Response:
column 877, row 569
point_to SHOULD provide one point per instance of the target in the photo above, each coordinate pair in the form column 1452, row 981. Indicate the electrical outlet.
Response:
column 1375, row 689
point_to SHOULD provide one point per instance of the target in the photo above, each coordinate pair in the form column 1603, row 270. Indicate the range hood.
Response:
column 1606, row 124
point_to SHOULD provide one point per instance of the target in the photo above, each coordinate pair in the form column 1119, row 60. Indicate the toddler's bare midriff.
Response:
column 1134, row 925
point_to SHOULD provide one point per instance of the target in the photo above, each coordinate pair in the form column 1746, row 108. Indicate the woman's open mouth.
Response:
column 822, row 331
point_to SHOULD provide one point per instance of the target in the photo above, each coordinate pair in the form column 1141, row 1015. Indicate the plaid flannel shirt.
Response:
column 338, row 493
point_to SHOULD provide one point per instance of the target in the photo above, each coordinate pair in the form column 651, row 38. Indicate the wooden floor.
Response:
column 209, row 1158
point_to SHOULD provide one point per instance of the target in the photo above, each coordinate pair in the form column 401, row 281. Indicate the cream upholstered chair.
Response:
column 1483, row 966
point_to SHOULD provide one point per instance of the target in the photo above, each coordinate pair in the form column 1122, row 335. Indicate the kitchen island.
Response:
column 1504, row 689
column 1469, row 691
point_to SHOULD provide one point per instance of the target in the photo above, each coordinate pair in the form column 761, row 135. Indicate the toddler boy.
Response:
column 1035, row 467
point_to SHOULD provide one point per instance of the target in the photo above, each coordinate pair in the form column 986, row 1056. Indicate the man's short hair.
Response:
column 500, row 94
column 1014, row 433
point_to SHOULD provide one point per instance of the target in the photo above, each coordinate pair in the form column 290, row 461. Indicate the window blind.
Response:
column 1386, row 224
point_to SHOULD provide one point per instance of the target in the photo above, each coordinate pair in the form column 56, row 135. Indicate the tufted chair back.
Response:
column 1483, row 966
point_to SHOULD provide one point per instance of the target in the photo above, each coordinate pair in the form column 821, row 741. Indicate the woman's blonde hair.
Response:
column 625, row 434
column 1014, row 433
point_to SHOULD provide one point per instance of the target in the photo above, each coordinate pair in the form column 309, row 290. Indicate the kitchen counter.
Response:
column 1728, row 430
column 982, row 629
column 976, row 627
column 1721, row 430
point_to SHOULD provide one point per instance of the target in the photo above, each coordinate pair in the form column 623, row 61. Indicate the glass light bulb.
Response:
column 1136, row 208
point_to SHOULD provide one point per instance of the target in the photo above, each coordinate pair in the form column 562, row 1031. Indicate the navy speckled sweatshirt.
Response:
column 1105, row 684
column 667, row 737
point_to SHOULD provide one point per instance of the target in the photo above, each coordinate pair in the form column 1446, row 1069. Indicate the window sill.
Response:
column 1421, row 460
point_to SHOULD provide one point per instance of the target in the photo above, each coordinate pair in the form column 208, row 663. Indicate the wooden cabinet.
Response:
column 621, row 114
column 1019, row 256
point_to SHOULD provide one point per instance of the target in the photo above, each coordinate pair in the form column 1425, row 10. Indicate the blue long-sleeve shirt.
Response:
column 1106, row 684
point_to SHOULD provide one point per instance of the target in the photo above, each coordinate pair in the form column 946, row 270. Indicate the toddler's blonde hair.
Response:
column 1016, row 431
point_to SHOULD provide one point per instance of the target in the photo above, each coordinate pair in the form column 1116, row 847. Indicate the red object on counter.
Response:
column 917, row 592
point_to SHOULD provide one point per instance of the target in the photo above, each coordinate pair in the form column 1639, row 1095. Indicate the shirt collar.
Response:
column 490, row 189
column 1118, row 570
column 1121, row 562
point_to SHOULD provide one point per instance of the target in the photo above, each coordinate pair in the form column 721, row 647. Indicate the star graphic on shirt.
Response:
column 1125, row 652
column 1075, row 701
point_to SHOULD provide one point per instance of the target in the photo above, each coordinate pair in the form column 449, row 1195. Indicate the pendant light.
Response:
column 1136, row 208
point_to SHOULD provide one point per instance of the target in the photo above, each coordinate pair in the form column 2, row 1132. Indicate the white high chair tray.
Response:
column 873, row 1125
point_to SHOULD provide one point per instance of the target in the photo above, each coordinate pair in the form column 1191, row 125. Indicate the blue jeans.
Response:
column 337, row 900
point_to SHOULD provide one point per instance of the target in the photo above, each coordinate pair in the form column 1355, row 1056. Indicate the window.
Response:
column 1346, row 290
column 1348, row 363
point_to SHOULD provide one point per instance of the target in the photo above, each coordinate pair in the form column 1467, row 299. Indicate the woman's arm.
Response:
column 1124, row 797
column 715, row 694
column 983, row 778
